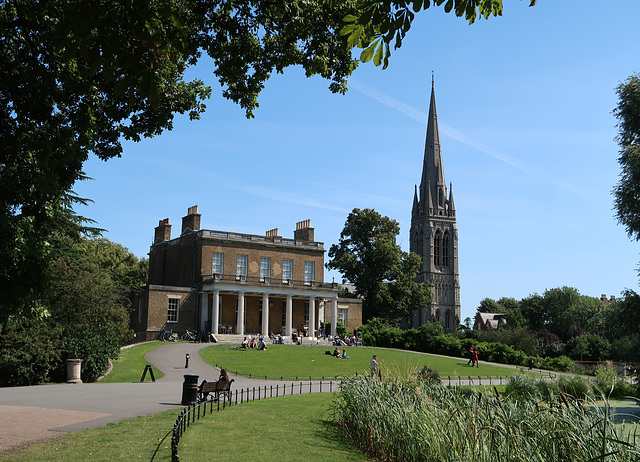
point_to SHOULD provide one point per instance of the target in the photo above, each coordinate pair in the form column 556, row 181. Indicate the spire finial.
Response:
column 432, row 80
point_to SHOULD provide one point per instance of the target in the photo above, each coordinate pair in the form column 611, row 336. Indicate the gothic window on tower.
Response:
column 437, row 248
column 445, row 249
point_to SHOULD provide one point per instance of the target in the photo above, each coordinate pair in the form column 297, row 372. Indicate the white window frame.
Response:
column 173, row 306
column 343, row 314
column 241, row 267
column 265, row 269
column 309, row 269
column 217, row 267
column 287, row 270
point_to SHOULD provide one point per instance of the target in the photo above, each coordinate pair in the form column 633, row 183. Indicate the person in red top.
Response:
column 471, row 350
column 475, row 358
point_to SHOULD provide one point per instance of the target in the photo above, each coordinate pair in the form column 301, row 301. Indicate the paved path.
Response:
column 31, row 414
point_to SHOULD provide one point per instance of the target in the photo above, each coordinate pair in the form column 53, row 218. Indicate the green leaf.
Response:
column 350, row 18
column 367, row 53
column 377, row 59
column 346, row 30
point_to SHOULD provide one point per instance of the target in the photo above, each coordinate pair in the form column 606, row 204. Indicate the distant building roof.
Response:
column 486, row 321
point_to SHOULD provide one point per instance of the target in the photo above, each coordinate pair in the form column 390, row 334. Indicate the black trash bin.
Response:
column 190, row 389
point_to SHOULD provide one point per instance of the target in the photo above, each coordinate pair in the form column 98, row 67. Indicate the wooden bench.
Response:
column 216, row 389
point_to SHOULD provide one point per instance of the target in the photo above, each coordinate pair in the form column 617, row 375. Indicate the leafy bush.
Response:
column 29, row 354
column 606, row 378
column 379, row 332
column 95, row 348
column 561, row 364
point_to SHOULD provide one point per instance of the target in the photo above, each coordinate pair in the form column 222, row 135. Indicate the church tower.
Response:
column 434, row 234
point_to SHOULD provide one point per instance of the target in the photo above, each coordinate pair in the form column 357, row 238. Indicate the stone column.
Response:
column 265, row 315
column 215, row 321
column 204, row 310
column 240, row 318
column 312, row 317
column 289, row 315
column 334, row 315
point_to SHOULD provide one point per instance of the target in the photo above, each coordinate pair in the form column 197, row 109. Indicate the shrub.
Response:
column 561, row 364
column 606, row 378
column 30, row 354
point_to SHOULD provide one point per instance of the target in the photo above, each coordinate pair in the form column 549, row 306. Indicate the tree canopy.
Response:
column 81, row 77
column 378, row 24
column 627, row 191
column 383, row 274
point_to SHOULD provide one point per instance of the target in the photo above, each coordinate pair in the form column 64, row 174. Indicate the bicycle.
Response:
column 189, row 336
column 168, row 336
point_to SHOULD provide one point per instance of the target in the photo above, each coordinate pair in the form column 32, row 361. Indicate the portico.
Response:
column 261, row 308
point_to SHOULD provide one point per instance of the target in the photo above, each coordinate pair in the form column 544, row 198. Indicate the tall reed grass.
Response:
column 406, row 419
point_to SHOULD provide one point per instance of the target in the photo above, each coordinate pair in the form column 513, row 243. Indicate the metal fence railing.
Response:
column 195, row 412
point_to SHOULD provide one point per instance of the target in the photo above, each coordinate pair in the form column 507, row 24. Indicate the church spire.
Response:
column 432, row 171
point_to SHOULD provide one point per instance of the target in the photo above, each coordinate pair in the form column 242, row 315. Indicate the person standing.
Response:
column 374, row 366
column 322, row 329
column 472, row 349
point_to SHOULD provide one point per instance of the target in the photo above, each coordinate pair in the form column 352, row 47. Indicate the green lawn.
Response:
column 306, row 361
column 133, row 439
column 258, row 430
column 128, row 367
column 289, row 428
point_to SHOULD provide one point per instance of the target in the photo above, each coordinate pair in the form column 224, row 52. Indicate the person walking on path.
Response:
column 472, row 349
column 475, row 358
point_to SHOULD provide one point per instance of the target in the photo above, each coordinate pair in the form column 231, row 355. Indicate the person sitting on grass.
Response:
column 262, row 345
column 253, row 343
column 245, row 343
column 336, row 352
column 344, row 354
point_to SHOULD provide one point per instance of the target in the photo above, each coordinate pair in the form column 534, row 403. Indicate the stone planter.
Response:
column 73, row 370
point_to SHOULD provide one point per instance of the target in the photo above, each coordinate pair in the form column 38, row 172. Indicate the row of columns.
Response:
column 215, row 322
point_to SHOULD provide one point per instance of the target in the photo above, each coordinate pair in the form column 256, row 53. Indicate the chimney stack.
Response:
column 304, row 231
column 272, row 233
column 192, row 221
column 163, row 231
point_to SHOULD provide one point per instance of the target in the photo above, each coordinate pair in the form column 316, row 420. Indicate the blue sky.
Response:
column 524, row 106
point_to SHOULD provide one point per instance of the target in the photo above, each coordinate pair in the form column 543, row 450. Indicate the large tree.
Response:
column 79, row 77
column 627, row 191
column 383, row 274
